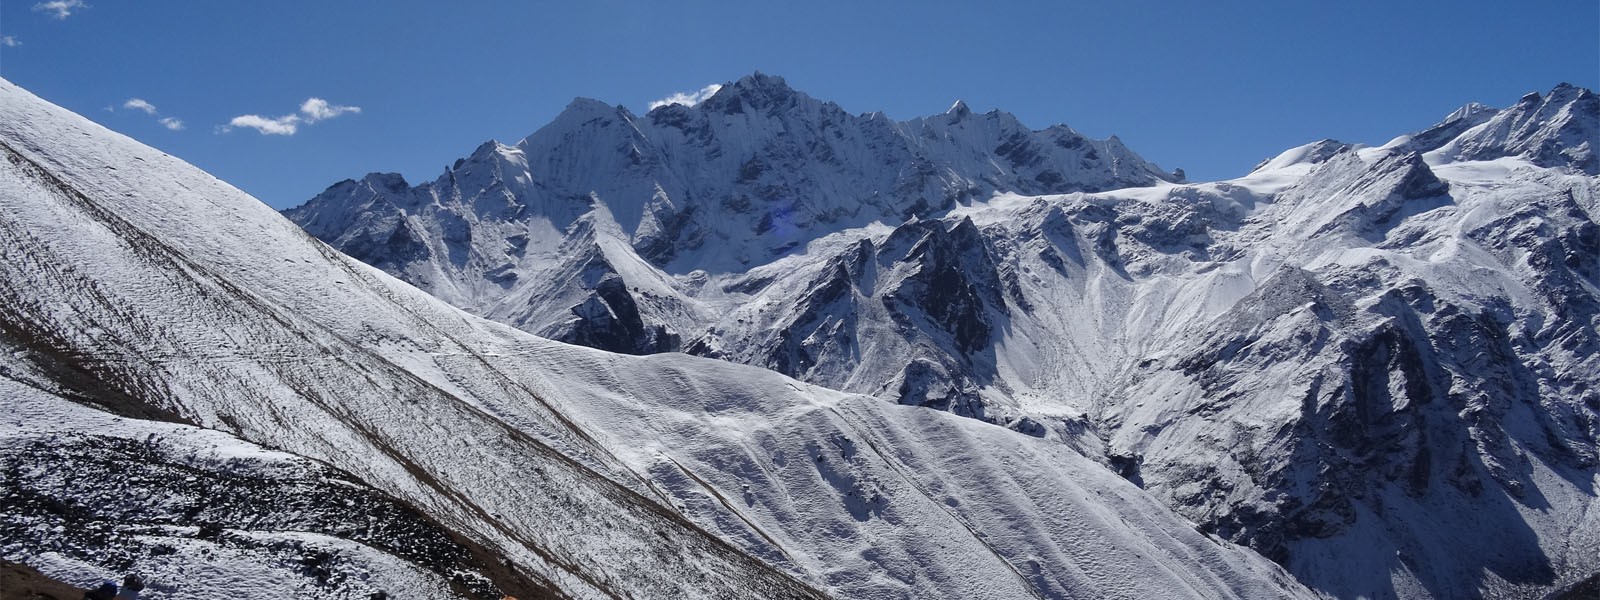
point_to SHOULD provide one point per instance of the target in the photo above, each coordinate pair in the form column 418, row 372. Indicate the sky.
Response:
column 283, row 98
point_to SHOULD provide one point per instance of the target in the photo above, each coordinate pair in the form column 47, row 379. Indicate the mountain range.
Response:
column 199, row 392
column 1303, row 359
column 946, row 357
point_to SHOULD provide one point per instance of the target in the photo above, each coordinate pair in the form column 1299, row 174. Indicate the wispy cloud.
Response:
column 285, row 125
column 687, row 98
column 60, row 9
column 141, row 105
column 144, row 106
column 9, row 42
column 317, row 109
column 311, row 111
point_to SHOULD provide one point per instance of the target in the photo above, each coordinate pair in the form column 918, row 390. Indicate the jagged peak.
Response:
column 578, row 113
column 1407, row 160
column 1006, row 120
column 582, row 110
column 1549, row 130
column 585, row 104
column 1565, row 93
column 486, row 148
column 1470, row 111
column 757, row 90
column 391, row 182
column 1561, row 95
column 959, row 110
column 1454, row 124
column 759, row 81
column 964, row 229
column 1061, row 131
column 908, row 235
column 492, row 151
column 388, row 181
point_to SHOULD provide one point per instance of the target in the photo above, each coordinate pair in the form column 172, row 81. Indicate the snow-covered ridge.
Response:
column 132, row 281
column 743, row 177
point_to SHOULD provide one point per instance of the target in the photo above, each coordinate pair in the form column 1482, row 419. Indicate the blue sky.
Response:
column 1210, row 87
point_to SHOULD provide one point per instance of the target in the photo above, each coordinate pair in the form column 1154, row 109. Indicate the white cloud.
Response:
column 144, row 106
column 9, row 42
column 687, row 98
column 311, row 111
column 317, row 109
column 285, row 125
column 60, row 9
column 140, row 104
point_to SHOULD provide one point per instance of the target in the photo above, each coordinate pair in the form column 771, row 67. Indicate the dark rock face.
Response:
column 1588, row 587
column 609, row 320
column 929, row 384
column 118, row 504
column 935, row 288
column 1432, row 404
column 824, row 322
column 954, row 283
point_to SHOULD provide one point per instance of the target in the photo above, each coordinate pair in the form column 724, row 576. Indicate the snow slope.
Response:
column 155, row 291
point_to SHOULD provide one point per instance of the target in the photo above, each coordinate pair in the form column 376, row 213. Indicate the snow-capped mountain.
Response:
column 1375, row 365
column 752, row 173
column 198, row 390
